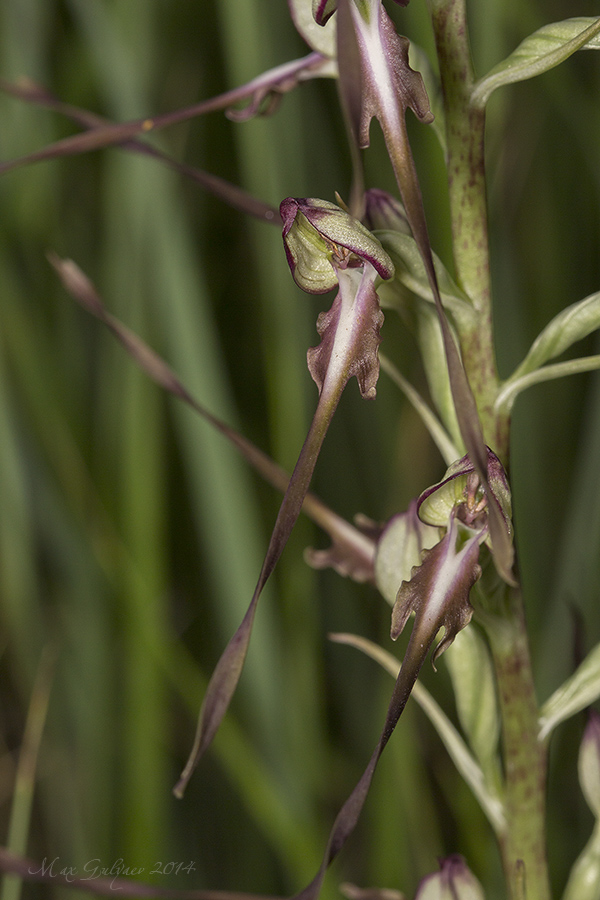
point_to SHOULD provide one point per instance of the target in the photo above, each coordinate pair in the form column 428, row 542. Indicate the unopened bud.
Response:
column 454, row 881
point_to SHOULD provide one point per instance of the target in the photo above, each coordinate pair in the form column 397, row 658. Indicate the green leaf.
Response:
column 541, row 51
column 569, row 326
column 513, row 387
column 578, row 691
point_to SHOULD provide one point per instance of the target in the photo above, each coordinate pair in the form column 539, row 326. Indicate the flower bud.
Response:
column 454, row 881
column 460, row 486
column 385, row 212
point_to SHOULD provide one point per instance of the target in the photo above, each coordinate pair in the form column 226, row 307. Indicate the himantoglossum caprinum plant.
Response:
column 432, row 560
column 427, row 561
column 328, row 248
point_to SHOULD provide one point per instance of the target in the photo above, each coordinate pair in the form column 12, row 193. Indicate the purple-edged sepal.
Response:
column 321, row 239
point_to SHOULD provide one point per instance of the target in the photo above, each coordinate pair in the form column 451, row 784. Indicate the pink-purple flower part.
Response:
column 461, row 490
column 438, row 592
column 320, row 239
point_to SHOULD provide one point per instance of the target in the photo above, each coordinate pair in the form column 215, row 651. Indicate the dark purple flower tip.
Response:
column 320, row 238
column 384, row 211
column 323, row 10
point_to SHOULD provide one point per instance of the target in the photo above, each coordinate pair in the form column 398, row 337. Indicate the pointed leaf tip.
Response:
column 541, row 51
column 219, row 692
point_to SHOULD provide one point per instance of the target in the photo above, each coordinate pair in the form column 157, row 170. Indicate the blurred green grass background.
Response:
column 131, row 536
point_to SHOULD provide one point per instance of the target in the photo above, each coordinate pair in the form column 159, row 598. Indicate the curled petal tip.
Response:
column 323, row 10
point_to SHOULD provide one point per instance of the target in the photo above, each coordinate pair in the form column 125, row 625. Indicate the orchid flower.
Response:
column 438, row 589
column 432, row 579
column 325, row 246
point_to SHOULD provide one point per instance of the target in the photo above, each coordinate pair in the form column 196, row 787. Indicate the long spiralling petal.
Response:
column 353, row 550
column 276, row 81
column 349, row 340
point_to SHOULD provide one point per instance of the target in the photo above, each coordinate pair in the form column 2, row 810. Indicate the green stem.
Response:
column 468, row 208
column 523, row 846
